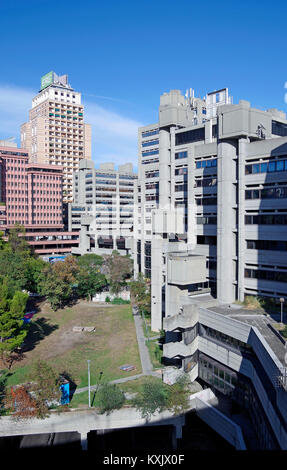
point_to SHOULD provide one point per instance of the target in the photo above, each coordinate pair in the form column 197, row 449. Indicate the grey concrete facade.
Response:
column 218, row 201
column 224, row 166
column 103, row 206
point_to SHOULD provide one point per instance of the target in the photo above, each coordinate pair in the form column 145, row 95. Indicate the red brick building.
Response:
column 31, row 195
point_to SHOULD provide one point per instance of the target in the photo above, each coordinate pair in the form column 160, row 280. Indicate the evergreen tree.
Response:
column 12, row 328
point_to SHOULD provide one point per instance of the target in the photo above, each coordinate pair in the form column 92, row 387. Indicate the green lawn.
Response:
column 155, row 353
column 51, row 338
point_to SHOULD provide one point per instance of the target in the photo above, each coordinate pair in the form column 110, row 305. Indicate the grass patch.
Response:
column 155, row 353
column 113, row 343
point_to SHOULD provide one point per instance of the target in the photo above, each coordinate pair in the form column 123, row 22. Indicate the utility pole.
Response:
column 89, row 383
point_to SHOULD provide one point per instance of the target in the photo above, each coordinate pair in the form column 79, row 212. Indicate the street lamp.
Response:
column 89, row 383
column 282, row 300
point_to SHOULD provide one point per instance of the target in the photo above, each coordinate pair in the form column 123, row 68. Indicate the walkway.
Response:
column 147, row 367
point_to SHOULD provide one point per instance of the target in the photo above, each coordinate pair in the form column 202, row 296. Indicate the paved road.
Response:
column 147, row 367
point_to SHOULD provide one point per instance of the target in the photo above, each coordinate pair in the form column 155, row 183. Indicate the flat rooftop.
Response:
column 256, row 318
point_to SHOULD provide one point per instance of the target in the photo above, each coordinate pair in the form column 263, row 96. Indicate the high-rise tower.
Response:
column 56, row 133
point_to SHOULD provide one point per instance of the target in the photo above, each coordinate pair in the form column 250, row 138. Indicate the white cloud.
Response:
column 114, row 136
column 15, row 103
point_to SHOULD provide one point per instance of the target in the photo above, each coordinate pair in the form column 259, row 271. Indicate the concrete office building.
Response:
column 210, row 230
column 103, row 207
column 224, row 166
column 56, row 133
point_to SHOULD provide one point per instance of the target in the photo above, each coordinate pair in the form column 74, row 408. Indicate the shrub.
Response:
column 107, row 299
column 152, row 398
column 110, row 397
column 119, row 301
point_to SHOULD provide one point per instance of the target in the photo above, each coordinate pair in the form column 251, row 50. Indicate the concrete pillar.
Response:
column 226, row 221
column 191, row 207
column 84, row 239
column 241, row 216
column 164, row 169
column 157, row 284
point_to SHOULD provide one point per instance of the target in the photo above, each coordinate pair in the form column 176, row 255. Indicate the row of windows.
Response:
column 181, row 187
column 105, row 175
column 180, row 155
column 148, row 162
column 205, row 182
column 150, row 142
column 210, row 220
column 181, row 171
column 188, row 137
column 150, row 152
column 206, row 163
column 152, row 174
column 267, row 275
column 152, row 186
column 275, row 245
column 266, row 167
column 267, row 193
column 279, row 128
column 126, row 177
column 223, row 338
column 206, row 201
column 152, row 198
column 269, row 219
column 150, row 133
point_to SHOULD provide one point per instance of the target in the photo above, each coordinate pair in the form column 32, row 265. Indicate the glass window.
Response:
column 271, row 166
column 263, row 167
column 198, row 164
column 248, row 169
column 280, row 165
column 227, row 378
column 255, row 168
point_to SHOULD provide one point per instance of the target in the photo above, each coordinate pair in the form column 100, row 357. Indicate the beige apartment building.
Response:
column 56, row 133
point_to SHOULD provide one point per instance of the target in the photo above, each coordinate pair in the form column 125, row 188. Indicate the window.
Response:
column 187, row 137
column 206, row 163
column 179, row 155
column 278, row 165
column 150, row 142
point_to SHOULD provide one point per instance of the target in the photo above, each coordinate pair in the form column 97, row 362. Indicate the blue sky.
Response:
column 123, row 54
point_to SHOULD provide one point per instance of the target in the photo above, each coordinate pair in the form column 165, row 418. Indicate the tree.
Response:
column 178, row 396
column 110, row 397
column 45, row 386
column 17, row 242
column 21, row 403
column 140, row 294
column 152, row 398
column 117, row 269
column 90, row 282
column 90, row 261
column 57, row 281
column 12, row 328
